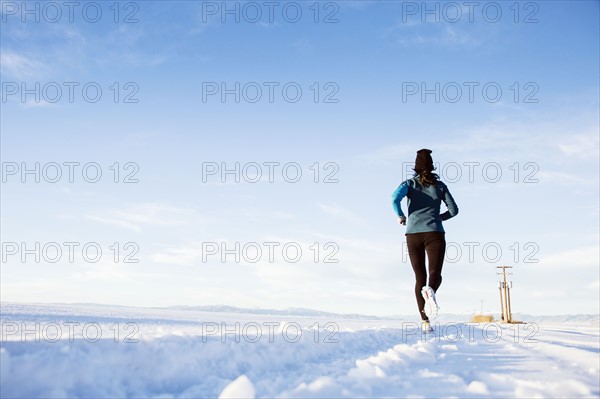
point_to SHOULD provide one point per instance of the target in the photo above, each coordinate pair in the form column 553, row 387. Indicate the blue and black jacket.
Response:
column 424, row 205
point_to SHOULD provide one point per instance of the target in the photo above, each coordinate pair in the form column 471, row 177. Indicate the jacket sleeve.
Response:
column 397, row 197
column 450, row 204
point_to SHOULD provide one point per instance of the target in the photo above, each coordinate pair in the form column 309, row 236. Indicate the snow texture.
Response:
column 121, row 352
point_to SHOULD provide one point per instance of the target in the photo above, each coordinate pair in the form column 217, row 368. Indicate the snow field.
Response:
column 181, row 355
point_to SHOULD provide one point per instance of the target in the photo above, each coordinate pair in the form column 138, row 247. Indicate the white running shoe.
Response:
column 431, row 306
column 426, row 327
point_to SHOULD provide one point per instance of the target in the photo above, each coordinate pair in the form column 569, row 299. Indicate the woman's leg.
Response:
column 416, row 252
column 435, row 245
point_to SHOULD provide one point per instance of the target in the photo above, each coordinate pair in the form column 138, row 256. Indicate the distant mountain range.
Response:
column 275, row 312
column 305, row 312
column 319, row 313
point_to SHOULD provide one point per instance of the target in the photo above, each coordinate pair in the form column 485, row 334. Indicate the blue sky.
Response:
column 369, row 56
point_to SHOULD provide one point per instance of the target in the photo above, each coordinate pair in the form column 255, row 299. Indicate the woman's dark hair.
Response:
column 427, row 177
column 424, row 168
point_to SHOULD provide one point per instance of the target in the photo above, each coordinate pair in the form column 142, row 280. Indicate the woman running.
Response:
column 424, row 230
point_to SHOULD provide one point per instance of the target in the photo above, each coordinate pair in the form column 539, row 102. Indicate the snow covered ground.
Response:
column 112, row 352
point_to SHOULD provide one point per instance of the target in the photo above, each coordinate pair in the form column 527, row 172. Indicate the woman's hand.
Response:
column 402, row 220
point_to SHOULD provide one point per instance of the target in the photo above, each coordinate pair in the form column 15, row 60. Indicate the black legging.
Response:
column 434, row 243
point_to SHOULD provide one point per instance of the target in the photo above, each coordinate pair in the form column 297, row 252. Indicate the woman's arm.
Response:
column 397, row 197
column 450, row 204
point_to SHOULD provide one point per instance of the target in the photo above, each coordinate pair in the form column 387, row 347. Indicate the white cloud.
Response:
column 340, row 212
column 106, row 270
column 156, row 214
column 453, row 36
column 20, row 66
column 360, row 5
column 583, row 146
column 114, row 222
column 29, row 103
column 448, row 37
column 146, row 214
column 183, row 255
column 500, row 140
column 578, row 257
column 557, row 177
